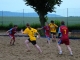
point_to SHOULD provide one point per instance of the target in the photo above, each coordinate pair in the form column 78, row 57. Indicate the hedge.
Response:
column 37, row 25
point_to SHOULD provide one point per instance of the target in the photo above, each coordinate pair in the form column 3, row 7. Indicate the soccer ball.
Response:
column 37, row 36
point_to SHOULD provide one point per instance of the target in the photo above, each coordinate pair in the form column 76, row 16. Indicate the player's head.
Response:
column 27, row 25
column 46, row 23
column 52, row 21
column 62, row 23
column 15, row 26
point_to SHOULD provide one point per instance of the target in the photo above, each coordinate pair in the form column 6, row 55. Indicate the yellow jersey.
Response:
column 31, row 33
column 53, row 27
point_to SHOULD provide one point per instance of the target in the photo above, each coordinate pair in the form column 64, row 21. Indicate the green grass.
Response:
column 22, row 21
column 18, row 20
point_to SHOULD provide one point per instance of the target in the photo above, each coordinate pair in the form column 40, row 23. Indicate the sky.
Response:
column 18, row 6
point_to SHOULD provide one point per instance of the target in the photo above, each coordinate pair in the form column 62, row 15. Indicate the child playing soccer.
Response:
column 31, row 33
column 47, row 31
column 64, row 39
column 53, row 28
column 11, row 32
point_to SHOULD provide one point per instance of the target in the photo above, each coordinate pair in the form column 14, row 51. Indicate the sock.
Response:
column 71, row 53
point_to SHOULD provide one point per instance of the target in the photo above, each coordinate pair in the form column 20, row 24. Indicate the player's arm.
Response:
column 9, row 30
column 37, row 33
column 40, row 28
column 24, row 32
column 56, row 26
column 16, row 32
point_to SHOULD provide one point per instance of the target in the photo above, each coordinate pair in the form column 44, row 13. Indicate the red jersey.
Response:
column 47, row 30
column 64, row 32
column 12, row 31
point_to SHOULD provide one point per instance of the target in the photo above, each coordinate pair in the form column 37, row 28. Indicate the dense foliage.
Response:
column 37, row 25
column 42, row 7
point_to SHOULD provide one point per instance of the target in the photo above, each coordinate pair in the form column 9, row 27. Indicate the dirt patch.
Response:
column 50, row 52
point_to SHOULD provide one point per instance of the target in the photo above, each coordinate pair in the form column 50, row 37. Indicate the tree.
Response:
column 42, row 7
column 46, row 18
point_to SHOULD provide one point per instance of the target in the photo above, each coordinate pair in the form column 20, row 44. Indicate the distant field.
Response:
column 24, row 20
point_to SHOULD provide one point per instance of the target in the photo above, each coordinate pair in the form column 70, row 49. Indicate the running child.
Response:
column 64, row 39
column 47, row 31
column 31, row 33
column 53, row 28
column 11, row 32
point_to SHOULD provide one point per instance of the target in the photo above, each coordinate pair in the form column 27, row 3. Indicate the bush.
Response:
column 10, row 25
column 35, row 25
column 4, row 27
column 57, row 22
column 74, row 27
column 21, row 27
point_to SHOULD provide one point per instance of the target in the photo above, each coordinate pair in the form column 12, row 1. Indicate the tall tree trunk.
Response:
column 42, row 21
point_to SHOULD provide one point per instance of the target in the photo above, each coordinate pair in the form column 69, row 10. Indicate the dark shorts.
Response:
column 33, row 42
column 12, row 36
column 54, row 33
column 64, row 42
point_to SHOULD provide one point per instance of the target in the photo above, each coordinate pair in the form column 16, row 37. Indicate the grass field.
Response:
column 24, row 20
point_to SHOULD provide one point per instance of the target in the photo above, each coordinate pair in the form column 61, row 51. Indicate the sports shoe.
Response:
column 60, row 52
column 71, row 54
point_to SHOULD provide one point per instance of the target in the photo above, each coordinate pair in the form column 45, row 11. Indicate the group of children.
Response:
column 50, row 30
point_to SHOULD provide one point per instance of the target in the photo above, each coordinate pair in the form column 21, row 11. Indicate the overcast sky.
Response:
column 19, row 5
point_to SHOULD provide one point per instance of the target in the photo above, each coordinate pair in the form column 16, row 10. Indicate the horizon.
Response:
column 2, row 12
column 73, row 9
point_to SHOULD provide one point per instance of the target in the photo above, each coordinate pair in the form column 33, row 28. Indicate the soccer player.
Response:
column 64, row 39
column 11, row 32
column 47, row 31
column 31, row 33
column 53, row 28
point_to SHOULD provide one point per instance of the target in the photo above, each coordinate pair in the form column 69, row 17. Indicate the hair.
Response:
column 15, row 25
column 62, row 23
column 52, row 21
column 27, row 24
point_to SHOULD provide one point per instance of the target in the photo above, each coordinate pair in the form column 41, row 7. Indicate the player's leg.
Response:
column 13, row 40
column 69, row 49
column 67, row 43
column 26, row 42
column 37, row 46
column 48, row 39
column 54, row 36
column 59, row 47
